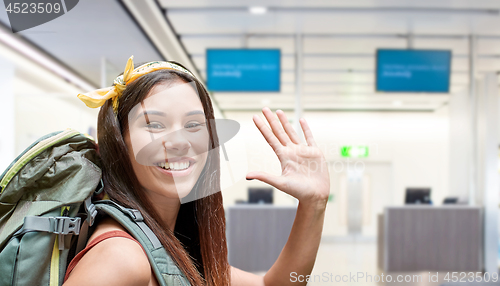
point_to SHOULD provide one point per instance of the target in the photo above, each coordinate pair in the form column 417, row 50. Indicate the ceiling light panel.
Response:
column 257, row 10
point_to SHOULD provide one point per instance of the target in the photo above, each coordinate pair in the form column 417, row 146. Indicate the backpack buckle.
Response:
column 67, row 225
column 135, row 214
column 64, row 226
column 90, row 210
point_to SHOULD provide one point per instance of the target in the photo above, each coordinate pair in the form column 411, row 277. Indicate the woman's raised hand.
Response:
column 304, row 172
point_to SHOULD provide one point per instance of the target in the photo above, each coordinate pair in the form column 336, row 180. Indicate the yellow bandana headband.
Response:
column 98, row 97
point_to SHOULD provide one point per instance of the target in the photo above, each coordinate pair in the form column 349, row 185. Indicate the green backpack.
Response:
column 46, row 210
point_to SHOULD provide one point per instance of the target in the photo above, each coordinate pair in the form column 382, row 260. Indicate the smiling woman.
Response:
column 150, row 123
column 159, row 148
column 168, row 140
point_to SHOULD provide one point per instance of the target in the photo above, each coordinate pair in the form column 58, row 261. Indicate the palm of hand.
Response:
column 304, row 170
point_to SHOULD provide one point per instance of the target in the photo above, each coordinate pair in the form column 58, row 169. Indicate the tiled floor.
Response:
column 356, row 264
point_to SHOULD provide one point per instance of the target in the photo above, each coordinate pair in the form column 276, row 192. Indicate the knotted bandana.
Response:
column 97, row 97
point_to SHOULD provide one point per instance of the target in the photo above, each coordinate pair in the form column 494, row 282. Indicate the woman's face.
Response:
column 168, row 140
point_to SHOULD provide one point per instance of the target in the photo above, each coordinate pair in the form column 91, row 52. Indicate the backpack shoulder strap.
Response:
column 165, row 269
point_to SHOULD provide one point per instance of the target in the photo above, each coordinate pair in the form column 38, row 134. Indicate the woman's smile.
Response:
column 176, row 167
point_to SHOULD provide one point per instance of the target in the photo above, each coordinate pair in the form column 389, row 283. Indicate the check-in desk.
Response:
column 256, row 234
column 430, row 238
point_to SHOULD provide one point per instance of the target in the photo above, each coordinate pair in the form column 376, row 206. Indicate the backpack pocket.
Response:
column 33, row 258
column 27, row 259
column 8, row 257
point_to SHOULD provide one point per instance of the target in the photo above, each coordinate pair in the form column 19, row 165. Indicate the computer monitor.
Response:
column 260, row 195
column 418, row 196
column 412, row 70
column 450, row 200
column 243, row 70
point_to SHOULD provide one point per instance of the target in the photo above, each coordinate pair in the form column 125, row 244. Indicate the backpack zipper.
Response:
column 37, row 149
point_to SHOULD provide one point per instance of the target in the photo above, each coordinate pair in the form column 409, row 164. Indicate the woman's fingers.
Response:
column 275, row 181
column 267, row 133
column 307, row 132
column 276, row 127
column 288, row 127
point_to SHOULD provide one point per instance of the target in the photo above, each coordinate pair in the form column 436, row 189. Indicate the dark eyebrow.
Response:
column 156, row 112
column 194, row 112
column 151, row 112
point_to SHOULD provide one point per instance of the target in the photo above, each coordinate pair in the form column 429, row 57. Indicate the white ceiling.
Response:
column 93, row 29
column 339, row 43
column 475, row 4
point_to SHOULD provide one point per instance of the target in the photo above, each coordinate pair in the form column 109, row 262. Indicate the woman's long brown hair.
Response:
column 198, row 244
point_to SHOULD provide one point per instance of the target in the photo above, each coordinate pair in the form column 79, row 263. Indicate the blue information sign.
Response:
column 413, row 70
column 243, row 70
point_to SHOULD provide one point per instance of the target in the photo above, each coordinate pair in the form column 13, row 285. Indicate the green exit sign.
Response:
column 354, row 151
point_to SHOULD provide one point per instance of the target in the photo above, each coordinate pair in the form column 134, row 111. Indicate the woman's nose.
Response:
column 175, row 141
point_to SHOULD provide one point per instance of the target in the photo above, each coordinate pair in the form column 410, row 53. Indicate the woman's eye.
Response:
column 154, row 126
column 193, row 125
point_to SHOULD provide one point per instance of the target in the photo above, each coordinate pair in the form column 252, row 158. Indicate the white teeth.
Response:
column 176, row 166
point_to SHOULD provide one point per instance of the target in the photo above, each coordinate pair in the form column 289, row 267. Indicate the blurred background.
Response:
column 401, row 96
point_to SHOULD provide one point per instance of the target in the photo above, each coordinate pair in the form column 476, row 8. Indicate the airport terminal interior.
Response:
column 402, row 98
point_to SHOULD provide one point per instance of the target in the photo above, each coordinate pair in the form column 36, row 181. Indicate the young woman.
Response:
column 163, row 102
